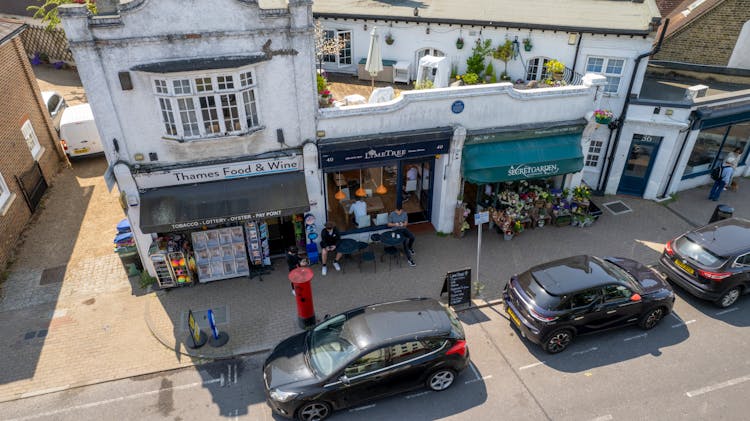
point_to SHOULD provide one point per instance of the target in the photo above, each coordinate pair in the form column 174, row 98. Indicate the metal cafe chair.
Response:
column 366, row 254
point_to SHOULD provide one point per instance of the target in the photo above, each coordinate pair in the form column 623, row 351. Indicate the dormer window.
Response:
column 207, row 105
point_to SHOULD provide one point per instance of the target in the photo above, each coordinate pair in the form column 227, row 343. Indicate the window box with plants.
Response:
column 603, row 116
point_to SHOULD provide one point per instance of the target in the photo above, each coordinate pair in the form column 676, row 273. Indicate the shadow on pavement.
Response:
column 735, row 315
column 231, row 395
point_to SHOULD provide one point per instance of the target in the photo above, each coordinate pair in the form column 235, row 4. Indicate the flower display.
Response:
column 603, row 114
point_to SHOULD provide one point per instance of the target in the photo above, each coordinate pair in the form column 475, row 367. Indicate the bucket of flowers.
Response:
column 603, row 116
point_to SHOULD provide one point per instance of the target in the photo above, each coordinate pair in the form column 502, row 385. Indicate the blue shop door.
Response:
column 641, row 159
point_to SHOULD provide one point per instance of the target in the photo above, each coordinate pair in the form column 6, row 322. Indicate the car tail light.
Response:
column 458, row 348
column 668, row 248
column 540, row 317
column 64, row 144
column 714, row 276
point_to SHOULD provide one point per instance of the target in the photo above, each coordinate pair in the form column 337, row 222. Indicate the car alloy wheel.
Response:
column 315, row 411
column 441, row 380
column 558, row 341
column 729, row 297
column 652, row 318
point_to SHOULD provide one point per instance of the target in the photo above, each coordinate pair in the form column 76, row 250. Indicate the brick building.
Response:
column 30, row 155
column 707, row 32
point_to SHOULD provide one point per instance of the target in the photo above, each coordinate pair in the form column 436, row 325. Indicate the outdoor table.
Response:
column 392, row 238
column 347, row 246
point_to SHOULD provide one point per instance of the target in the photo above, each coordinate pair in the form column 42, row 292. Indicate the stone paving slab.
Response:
column 694, row 205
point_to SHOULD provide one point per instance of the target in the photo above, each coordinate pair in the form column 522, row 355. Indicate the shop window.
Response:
column 595, row 150
column 611, row 68
column 31, row 140
column 344, row 56
column 536, row 70
column 737, row 138
column 706, row 149
column 232, row 110
column 4, row 193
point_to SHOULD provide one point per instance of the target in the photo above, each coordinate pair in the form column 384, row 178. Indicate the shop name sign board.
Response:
column 533, row 171
column 218, row 172
column 224, row 220
column 383, row 153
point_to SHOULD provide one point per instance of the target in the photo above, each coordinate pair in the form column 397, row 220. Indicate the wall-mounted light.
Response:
column 138, row 157
column 427, row 31
column 416, row 11
column 365, row 27
column 572, row 38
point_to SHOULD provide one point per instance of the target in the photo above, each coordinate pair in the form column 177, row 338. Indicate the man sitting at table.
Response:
column 398, row 219
column 358, row 209
column 329, row 239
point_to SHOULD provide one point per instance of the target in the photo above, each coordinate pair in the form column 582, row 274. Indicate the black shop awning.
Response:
column 193, row 206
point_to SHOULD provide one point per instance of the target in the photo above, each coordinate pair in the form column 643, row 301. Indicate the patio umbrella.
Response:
column 374, row 64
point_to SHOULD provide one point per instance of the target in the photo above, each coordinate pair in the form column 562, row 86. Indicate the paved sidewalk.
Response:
column 694, row 205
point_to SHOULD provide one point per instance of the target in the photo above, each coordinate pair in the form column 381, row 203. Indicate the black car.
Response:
column 363, row 354
column 712, row 262
column 553, row 302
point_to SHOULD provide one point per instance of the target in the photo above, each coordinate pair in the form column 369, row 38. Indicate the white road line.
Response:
column 717, row 386
column 235, row 374
column 474, row 369
column 114, row 400
column 221, row 379
column 531, row 365
column 414, row 395
column 607, row 417
column 489, row 376
column 729, row 310
column 362, row 408
column 584, row 351
column 642, row 335
column 683, row 323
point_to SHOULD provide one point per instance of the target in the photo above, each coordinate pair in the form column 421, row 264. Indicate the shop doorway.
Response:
column 416, row 193
column 643, row 151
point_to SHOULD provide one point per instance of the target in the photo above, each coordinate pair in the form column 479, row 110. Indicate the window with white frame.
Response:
column 208, row 105
column 4, row 193
column 536, row 69
column 595, row 151
column 611, row 68
column 345, row 54
column 31, row 140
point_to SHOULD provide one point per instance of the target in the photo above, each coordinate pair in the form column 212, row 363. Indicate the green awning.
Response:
column 522, row 159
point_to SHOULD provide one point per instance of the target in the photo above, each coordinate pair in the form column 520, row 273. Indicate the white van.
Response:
column 78, row 133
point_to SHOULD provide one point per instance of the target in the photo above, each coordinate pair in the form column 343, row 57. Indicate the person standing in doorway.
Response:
column 399, row 220
column 329, row 239
column 726, row 174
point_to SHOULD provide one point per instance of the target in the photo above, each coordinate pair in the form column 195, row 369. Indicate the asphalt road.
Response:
column 693, row 366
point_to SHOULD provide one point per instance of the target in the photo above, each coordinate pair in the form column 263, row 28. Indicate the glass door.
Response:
column 641, row 158
column 416, row 191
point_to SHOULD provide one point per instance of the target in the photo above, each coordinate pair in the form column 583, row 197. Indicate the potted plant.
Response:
column 504, row 53
column 489, row 73
column 389, row 38
column 581, row 194
column 556, row 68
column 603, row 116
column 527, row 44
column 460, row 43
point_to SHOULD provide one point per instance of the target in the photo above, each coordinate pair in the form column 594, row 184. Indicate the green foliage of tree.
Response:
column 47, row 12
column 475, row 62
column 504, row 52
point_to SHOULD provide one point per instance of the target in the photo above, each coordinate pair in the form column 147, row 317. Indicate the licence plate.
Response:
column 684, row 267
column 514, row 317
column 80, row 150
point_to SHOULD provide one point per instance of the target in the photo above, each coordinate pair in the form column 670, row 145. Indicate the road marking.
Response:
column 607, row 417
column 717, row 386
column 417, row 394
column 584, row 351
column 729, row 310
column 362, row 408
column 642, row 335
column 531, row 365
column 683, row 323
column 474, row 369
column 489, row 376
column 114, row 400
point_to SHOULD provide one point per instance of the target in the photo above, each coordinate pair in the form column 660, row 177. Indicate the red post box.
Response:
column 301, row 278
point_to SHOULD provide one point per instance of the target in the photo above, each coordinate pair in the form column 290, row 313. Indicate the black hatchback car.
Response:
column 363, row 354
column 553, row 302
column 711, row 262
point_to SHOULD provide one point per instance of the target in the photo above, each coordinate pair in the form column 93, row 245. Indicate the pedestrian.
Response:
column 733, row 160
column 399, row 220
column 724, row 177
column 294, row 261
column 329, row 239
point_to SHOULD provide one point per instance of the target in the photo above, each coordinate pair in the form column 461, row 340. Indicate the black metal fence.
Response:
column 50, row 42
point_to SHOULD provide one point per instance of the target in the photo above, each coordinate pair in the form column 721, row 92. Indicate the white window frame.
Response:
column 5, row 195
column 32, row 141
column 594, row 153
column 608, row 90
column 179, row 102
column 540, row 70
column 340, row 58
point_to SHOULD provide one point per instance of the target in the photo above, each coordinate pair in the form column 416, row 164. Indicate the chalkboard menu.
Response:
column 459, row 287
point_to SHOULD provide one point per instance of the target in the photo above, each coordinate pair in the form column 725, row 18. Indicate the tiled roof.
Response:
column 9, row 28
column 688, row 11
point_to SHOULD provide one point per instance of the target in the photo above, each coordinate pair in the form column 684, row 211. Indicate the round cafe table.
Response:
column 347, row 247
column 392, row 238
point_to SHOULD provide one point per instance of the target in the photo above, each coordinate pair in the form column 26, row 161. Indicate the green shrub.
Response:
column 427, row 84
column 322, row 84
column 489, row 70
column 470, row 78
column 554, row 66
column 475, row 62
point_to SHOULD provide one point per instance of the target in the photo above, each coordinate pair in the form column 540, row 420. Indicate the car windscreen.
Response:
column 687, row 248
column 329, row 351
column 539, row 295
column 620, row 273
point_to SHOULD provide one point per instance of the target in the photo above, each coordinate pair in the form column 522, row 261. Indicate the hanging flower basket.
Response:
column 603, row 116
column 389, row 39
column 460, row 43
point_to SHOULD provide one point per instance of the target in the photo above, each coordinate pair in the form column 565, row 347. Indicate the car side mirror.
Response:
column 344, row 379
column 635, row 297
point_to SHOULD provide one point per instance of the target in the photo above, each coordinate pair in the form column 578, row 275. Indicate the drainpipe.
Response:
column 578, row 48
column 624, row 111
column 691, row 120
column 598, row 190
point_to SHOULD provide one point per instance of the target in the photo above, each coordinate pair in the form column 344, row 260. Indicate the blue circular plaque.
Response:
column 457, row 107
